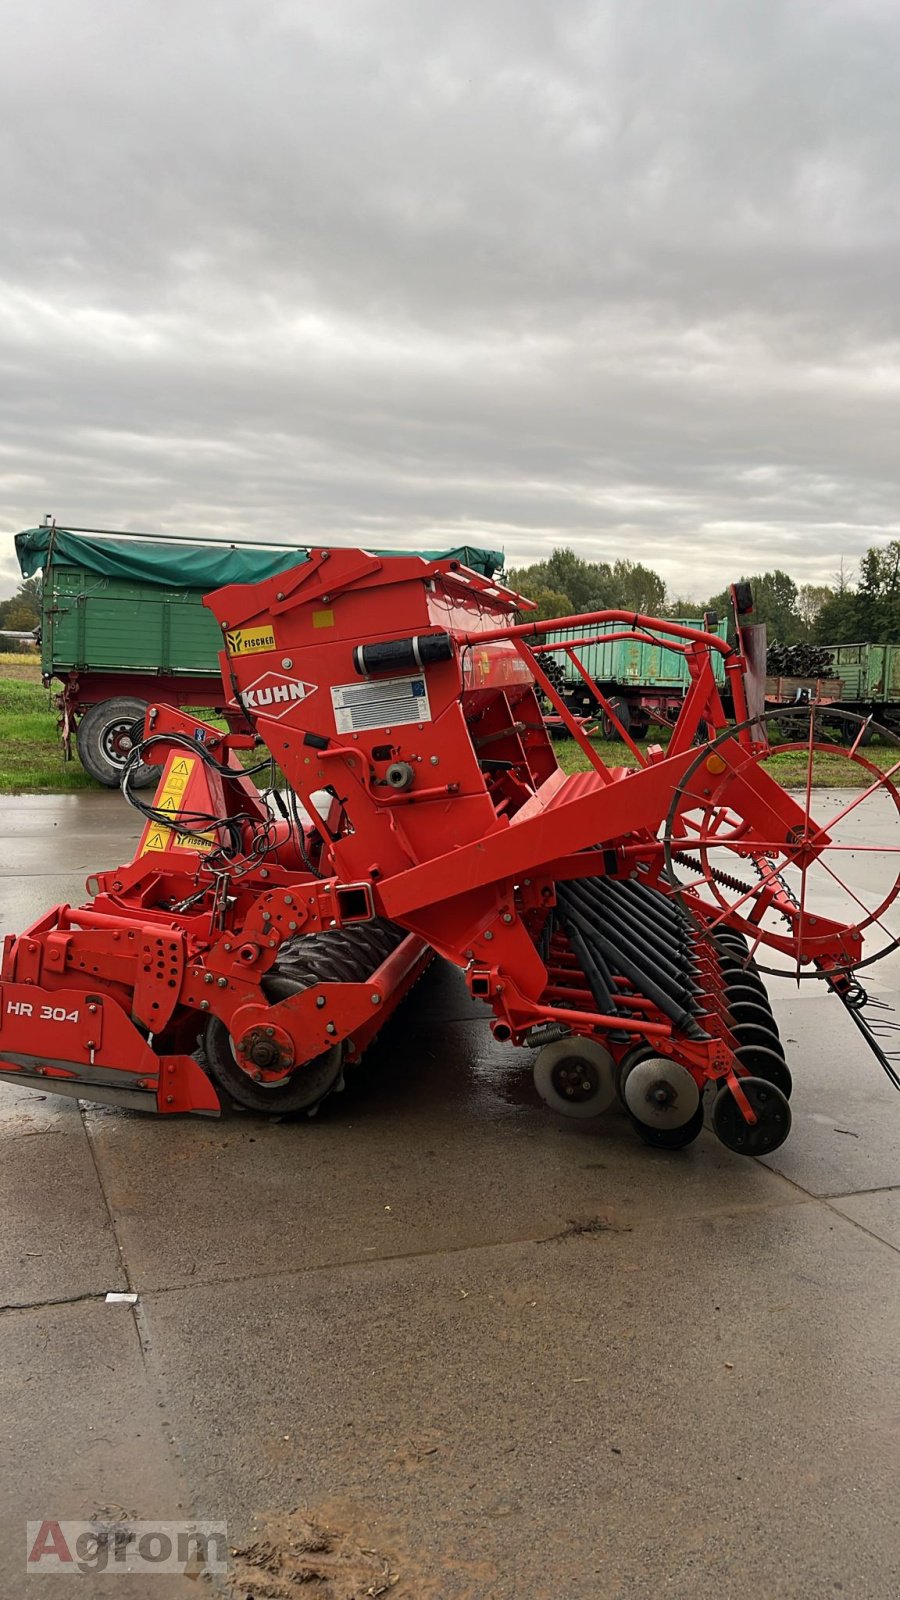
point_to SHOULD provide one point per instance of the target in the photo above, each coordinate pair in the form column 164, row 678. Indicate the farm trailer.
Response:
column 123, row 624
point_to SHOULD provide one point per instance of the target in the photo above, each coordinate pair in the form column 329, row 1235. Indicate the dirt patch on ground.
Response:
column 300, row 1558
column 326, row 1555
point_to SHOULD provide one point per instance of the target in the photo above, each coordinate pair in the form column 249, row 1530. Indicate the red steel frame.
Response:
column 105, row 1000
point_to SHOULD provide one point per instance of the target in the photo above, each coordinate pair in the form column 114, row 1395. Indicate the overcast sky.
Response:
column 621, row 276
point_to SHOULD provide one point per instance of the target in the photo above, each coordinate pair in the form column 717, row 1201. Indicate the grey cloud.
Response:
column 618, row 276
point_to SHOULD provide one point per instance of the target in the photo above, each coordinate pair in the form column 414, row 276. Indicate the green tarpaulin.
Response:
column 173, row 564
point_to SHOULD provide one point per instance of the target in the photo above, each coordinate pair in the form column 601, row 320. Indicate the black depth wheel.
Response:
column 746, row 993
column 761, row 1062
column 759, row 1016
column 773, row 1119
column 735, row 971
column 669, row 1138
column 749, row 1033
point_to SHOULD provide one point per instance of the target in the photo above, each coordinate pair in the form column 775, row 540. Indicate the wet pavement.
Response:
column 515, row 1356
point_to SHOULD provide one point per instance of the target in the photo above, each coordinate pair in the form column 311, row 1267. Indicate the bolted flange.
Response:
column 266, row 1050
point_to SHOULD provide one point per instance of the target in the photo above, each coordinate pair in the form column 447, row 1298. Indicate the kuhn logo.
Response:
column 273, row 696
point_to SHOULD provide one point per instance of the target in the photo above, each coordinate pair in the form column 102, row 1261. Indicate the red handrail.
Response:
column 636, row 619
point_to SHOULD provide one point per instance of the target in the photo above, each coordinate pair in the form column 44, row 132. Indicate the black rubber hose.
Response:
column 674, row 949
column 632, row 968
column 653, row 908
column 590, row 967
column 607, row 919
column 670, row 934
column 656, row 902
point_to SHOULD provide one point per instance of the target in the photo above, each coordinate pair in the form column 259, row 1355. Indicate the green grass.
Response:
column 31, row 757
column 31, row 754
column 829, row 772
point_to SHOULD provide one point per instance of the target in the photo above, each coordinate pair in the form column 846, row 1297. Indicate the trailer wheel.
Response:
column 621, row 707
column 106, row 736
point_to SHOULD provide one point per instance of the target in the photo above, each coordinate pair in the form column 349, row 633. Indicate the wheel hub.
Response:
column 118, row 741
column 575, row 1079
column 266, row 1053
column 661, row 1093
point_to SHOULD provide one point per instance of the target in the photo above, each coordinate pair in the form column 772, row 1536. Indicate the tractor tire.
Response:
column 105, row 737
column 623, row 711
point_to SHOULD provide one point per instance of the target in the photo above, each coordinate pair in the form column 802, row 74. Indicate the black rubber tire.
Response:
column 304, row 1090
column 733, row 950
column 669, row 1138
column 623, row 711
column 104, row 738
column 848, row 732
column 770, row 1106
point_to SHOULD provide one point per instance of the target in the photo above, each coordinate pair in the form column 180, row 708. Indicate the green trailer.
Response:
column 642, row 680
column 123, row 624
column 870, row 679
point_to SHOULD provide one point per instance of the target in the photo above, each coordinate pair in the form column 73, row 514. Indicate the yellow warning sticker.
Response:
column 249, row 641
column 157, row 838
column 171, row 799
column 323, row 619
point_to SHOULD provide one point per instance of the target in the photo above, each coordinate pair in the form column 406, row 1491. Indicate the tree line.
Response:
column 23, row 610
column 565, row 584
column 843, row 612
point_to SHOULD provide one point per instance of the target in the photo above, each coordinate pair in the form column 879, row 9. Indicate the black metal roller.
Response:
column 762, row 1062
column 749, row 1033
column 335, row 955
column 298, row 1090
column 773, row 1118
column 669, row 1138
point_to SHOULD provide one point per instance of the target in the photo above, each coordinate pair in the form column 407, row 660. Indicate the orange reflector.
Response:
column 715, row 764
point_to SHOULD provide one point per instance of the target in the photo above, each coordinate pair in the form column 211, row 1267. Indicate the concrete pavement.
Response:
column 494, row 1354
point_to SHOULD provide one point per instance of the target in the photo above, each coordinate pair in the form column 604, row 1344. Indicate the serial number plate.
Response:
column 380, row 703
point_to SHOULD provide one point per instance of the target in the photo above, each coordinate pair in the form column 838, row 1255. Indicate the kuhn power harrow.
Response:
column 616, row 920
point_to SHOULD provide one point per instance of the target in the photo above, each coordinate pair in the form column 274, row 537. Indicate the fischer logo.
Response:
column 273, row 695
